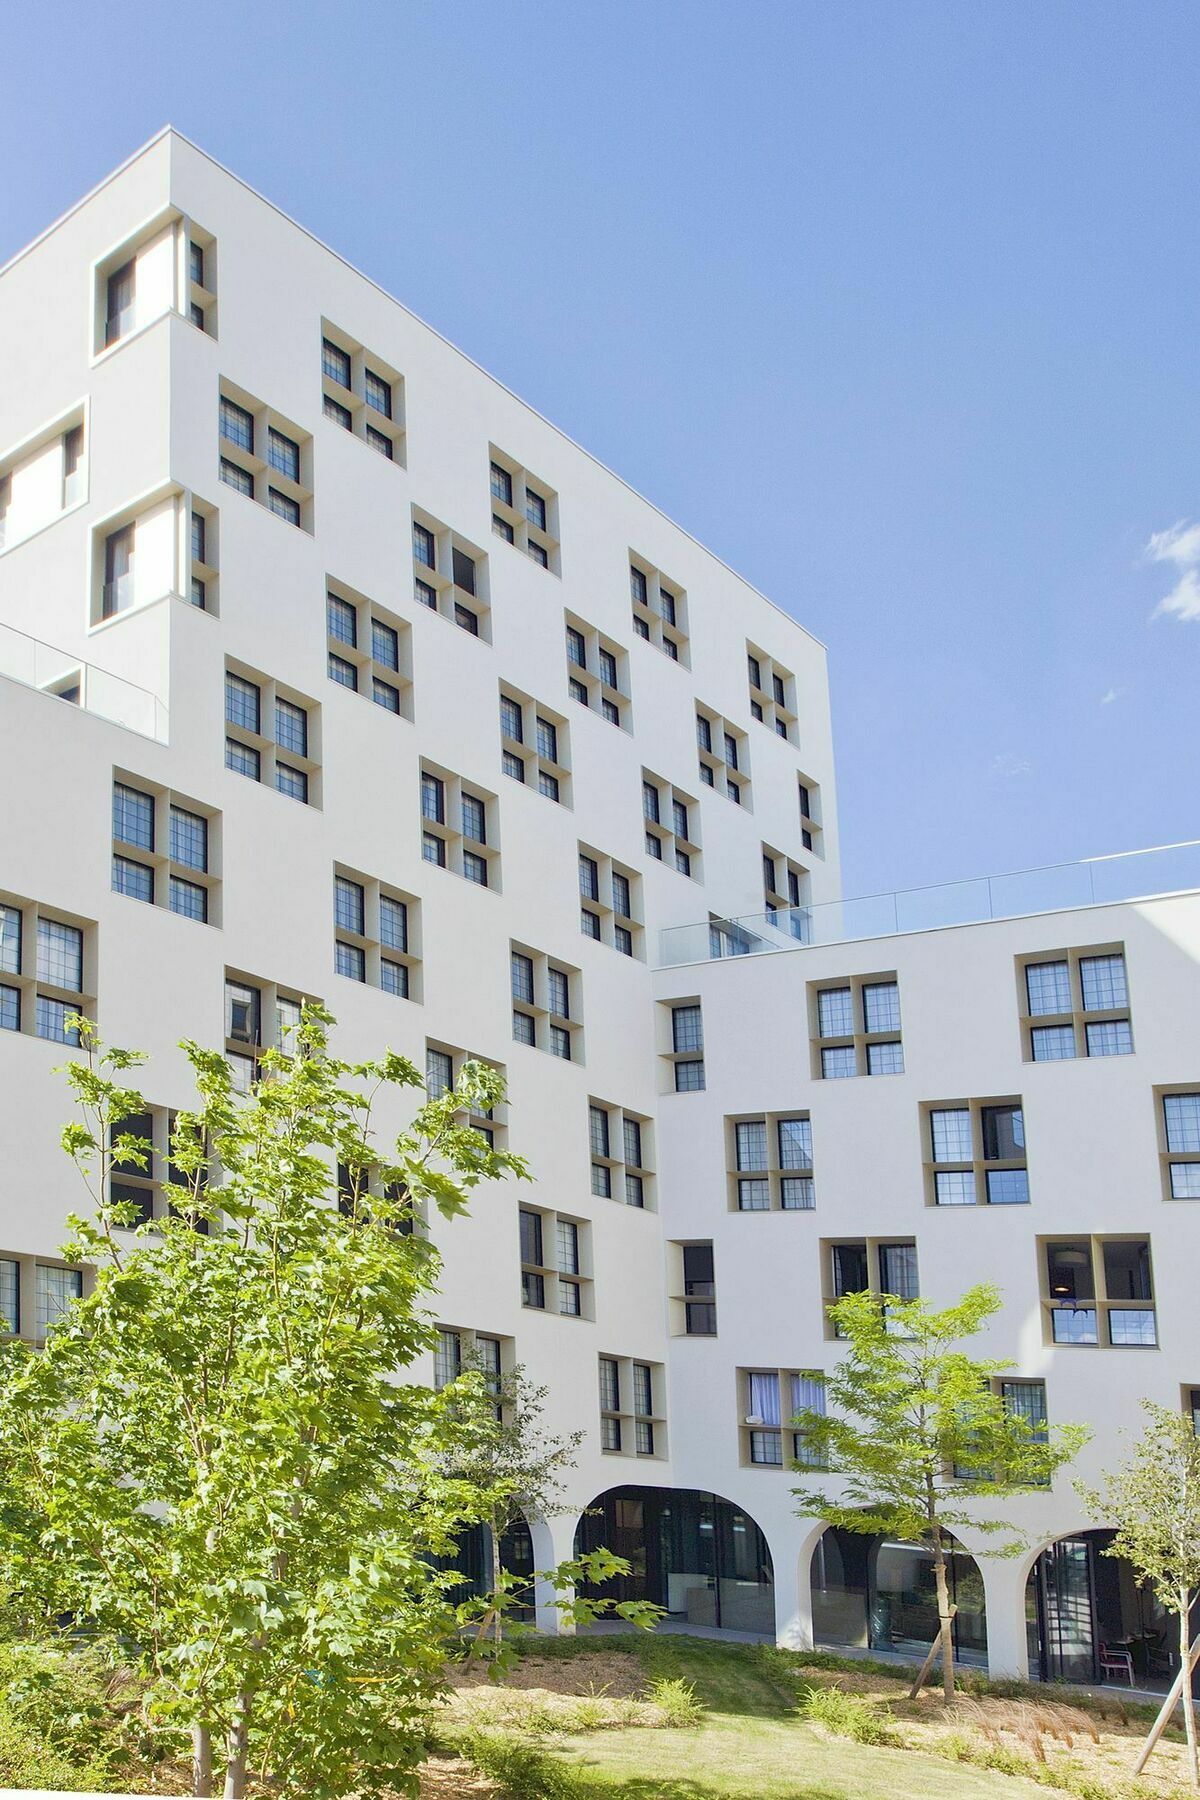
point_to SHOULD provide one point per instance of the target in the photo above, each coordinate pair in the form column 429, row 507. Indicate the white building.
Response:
column 329, row 668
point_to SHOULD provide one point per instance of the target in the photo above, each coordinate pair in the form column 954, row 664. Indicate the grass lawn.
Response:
column 752, row 1744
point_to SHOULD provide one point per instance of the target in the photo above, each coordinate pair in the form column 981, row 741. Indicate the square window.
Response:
column 292, row 782
column 342, row 620
column 341, row 415
column 954, row 1187
column 378, row 393
column 234, row 476
column 283, row 506
column 343, row 672
column 393, row 978
column 350, row 960
column 475, row 868
column 242, row 759
column 188, row 899
column 881, row 1006
column 1048, row 987
column 283, row 454
column 385, row 645
column 335, row 362
column 1181, row 1115
column 835, row 1012
column 133, row 879
column 1112, row 1037
column 1103, row 982
column 291, row 727
column 1052, row 1043
column 838, row 1063
column 383, row 694
column 133, row 816
column 189, row 839
column 425, row 595
column 60, row 955
column 885, row 1059
column 237, row 425
column 241, row 703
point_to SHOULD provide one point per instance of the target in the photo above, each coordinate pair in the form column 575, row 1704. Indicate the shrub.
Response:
column 676, row 1700
column 27, row 1762
column 847, row 1715
column 522, row 1771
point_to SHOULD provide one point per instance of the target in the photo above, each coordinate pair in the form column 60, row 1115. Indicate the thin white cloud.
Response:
column 1112, row 694
column 1179, row 546
column 1008, row 764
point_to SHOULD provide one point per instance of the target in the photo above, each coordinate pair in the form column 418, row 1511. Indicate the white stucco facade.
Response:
column 173, row 286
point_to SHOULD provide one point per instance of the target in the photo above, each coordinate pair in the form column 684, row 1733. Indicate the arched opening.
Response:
column 472, row 1560
column 697, row 1555
column 873, row 1593
column 1089, row 1618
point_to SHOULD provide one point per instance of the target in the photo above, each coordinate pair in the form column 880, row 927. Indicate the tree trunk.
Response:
column 945, row 1619
column 201, row 1762
column 238, row 1743
column 496, row 1573
column 1189, row 1704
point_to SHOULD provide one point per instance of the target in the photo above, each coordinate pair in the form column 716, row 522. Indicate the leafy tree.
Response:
column 1154, row 1503
column 213, row 1461
column 917, row 1435
column 512, row 1466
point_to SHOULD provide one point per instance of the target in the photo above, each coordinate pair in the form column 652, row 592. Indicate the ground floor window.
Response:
column 696, row 1554
column 874, row 1594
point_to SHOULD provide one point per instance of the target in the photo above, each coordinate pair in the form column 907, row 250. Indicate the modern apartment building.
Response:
column 328, row 668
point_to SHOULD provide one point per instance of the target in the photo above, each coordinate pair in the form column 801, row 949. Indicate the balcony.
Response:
column 1058, row 887
column 55, row 672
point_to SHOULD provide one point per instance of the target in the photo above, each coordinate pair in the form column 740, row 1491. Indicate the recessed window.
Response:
column 1098, row 1291
column 883, row 1266
column 362, row 394
column 724, row 757
column 632, row 1407
column 376, row 934
column 772, row 694
column 201, row 524
column 620, row 1146
column 597, row 672
column 271, row 734
column 369, row 650
column 683, row 1053
column 556, row 1263
column 459, row 827
column 856, row 1027
column 42, row 970
column 659, row 610
column 259, row 1015
column 171, row 266
column 265, row 456
column 1179, row 1142
column 768, row 1401
column 786, row 889
column 165, row 849
column 524, row 511
column 1074, row 1003
column 975, row 1153
column 610, row 902
column 546, row 1004
column 671, row 823
column 692, row 1289
column 42, row 478
column 534, row 745
column 770, row 1163
column 450, row 576
column 443, row 1066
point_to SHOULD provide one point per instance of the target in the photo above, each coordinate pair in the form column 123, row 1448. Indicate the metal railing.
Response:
column 1056, row 887
column 55, row 672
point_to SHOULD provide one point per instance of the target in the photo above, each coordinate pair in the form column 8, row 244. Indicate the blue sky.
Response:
column 892, row 304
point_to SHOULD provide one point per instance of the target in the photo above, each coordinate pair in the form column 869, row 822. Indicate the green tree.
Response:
column 513, row 1467
column 918, row 1436
column 213, row 1461
column 1153, row 1501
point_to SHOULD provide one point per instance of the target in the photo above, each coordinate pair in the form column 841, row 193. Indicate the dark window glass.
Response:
column 335, row 362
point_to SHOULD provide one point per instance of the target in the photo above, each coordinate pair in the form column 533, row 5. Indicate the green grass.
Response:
column 753, row 1744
